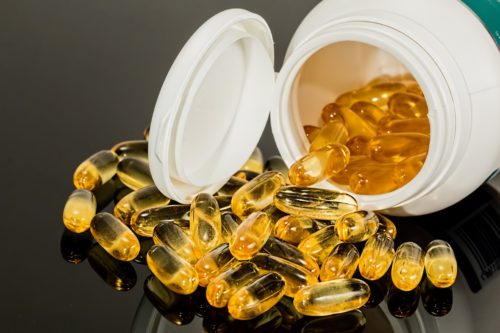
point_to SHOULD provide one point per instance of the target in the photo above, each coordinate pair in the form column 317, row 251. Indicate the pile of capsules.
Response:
column 374, row 139
column 257, row 240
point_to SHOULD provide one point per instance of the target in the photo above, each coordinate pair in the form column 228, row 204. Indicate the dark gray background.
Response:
column 77, row 77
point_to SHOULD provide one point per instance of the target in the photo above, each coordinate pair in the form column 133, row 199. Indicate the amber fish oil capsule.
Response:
column 212, row 263
column 394, row 148
column 257, row 297
column 134, row 173
column 220, row 289
column 229, row 224
column 144, row 222
column 96, row 170
column 79, row 210
column 440, row 264
column 146, row 197
column 331, row 297
column 408, row 266
column 115, row 237
column 173, row 271
column 289, row 252
column 293, row 229
column 170, row 234
column 320, row 244
column 386, row 226
column 250, row 236
column 333, row 132
column 341, row 263
column 376, row 257
column 356, row 226
column 205, row 222
column 135, row 149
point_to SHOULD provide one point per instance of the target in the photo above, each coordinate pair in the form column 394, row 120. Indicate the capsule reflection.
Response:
column 74, row 247
column 402, row 304
column 436, row 301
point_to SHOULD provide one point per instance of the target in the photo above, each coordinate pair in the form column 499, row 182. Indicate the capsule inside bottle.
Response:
column 95, row 170
column 229, row 225
column 332, row 133
column 79, row 210
column 250, row 236
column 440, row 264
column 408, row 266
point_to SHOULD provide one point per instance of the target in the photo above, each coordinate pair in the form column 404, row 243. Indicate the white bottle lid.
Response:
column 213, row 105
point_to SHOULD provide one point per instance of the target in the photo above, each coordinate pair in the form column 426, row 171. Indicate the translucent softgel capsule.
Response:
column 115, row 237
column 356, row 226
column 257, row 194
column 205, row 222
column 376, row 257
column 293, row 229
column 170, row 234
column 276, row 163
column 319, row 244
column 311, row 132
column 407, row 105
column 333, row 132
column 319, row 165
column 314, row 202
column 144, row 222
column 134, row 148
column 408, row 266
column 393, row 148
column 255, row 162
column 359, row 145
column 229, row 224
column 407, row 169
column 369, row 112
column 386, row 226
column 440, row 264
column 341, row 263
column 222, row 287
column 410, row 125
column 250, row 236
column 257, row 297
column 379, row 93
column 212, row 263
column 134, row 173
column 173, row 271
column 331, row 297
column 289, row 252
column 79, row 210
column 356, row 125
column 232, row 185
column 146, row 197
column 373, row 178
column 96, row 170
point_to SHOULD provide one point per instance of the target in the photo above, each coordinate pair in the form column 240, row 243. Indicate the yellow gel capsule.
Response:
column 145, row 133
column 250, row 236
column 331, row 112
column 257, row 194
column 355, row 125
column 314, row 202
column 293, row 229
column 257, row 297
column 232, row 185
column 332, row 133
column 319, row 244
column 319, row 165
column 408, row 168
column 376, row 257
column 224, row 202
column 369, row 112
column 410, row 125
column 255, row 162
column 379, row 93
column 144, row 222
column 276, row 163
column 356, row 226
column 220, row 289
column 345, row 99
column 246, row 175
column 408, row 266
column 280, row 249
column 311, row 132
column 96, row 170
column 359, row 145
column 115, row 237
column 407, row 105
column 373, row 178
column 331, row 297
column 79, row 210
column 386, row 226
column 273, row 213
column 440, row 264
column 144, row 198
column 205, row 222
column 341, row 263
column 229, row 224
column 173, row 271
column 170, row 234
column 413, row 88
column 355, row 162
column 296, row 277
column 393, row 148
column 134, row 173
column 212, row 263
column 134, row 149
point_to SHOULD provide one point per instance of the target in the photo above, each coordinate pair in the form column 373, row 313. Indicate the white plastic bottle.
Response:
column 216, row 98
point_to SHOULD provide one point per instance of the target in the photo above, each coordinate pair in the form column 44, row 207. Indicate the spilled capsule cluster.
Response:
column 256, row 243
column 373, row 139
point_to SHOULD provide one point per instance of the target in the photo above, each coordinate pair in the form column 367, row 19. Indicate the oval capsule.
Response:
column 79, row 210
column 386, row 226
column 257, row 194
column 222, row 287
column 205, row 222
column 250, row 236
column 407, row 266
column 115, row 237
column 394, row 148
column 408, row 168
column 410, row 125
column 314, row 202
column 134, row 173
column 341, row 263
column 170, row 234
column 144, row 222
column 232, row 185
column 376, row 257
column 373, row 178
column 378, row 93
column 331, row 133
column 134, row 148
column 293, row 229
column 144, row 198
column 95, row 170
column 311, row 132
column 257, row 297
column 407, row 105
column 280, row 249
column 229, row 224
column 357, row 226
column 320, row 244
column 173, row 271
column 369, row 112
column 332, row 297
column 440, row 264
column 276, row 163
column 212, row 263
